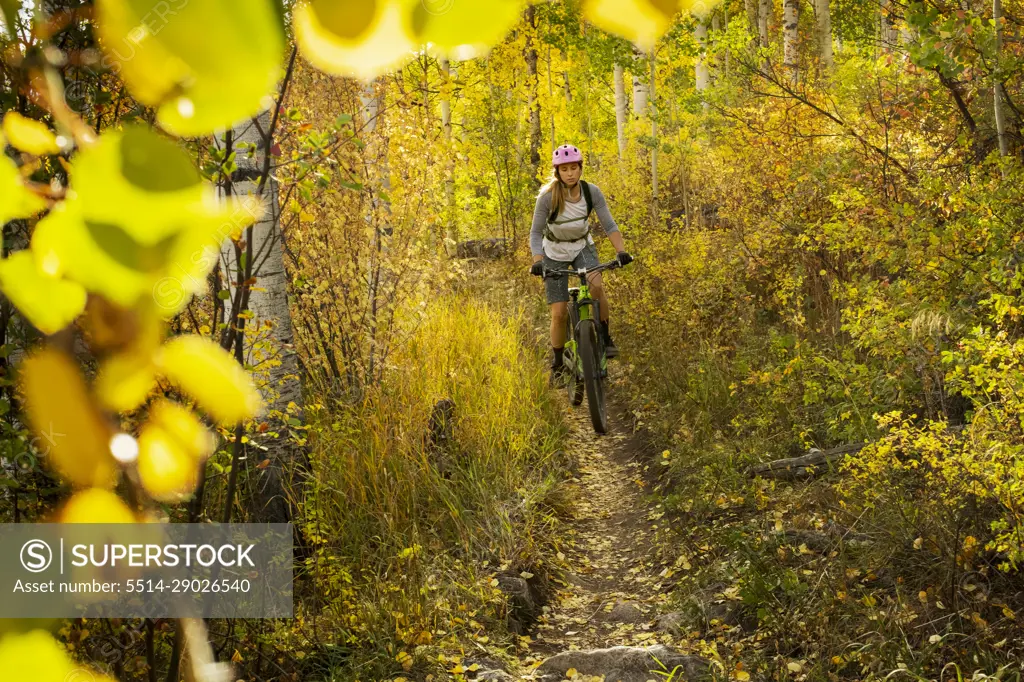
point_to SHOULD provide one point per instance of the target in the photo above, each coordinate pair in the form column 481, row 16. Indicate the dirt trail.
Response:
column 615, row 591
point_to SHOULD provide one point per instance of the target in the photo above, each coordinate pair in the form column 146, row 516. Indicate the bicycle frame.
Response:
column 583, row 307
column 584, row 351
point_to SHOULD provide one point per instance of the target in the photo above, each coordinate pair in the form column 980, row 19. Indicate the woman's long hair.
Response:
column 559, row 192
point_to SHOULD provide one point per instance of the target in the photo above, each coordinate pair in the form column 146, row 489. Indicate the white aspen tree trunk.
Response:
column 640, row 91
column 997, row 87
column 534, row 87
column 639, row 97
column 271, row 316
column 450, row 233
column 823, row 23
column 565, row 79
column 701, row 72
column 716, row 27
column 790, row 37
column 887, row 26
column 764, row 12
column 750, row 7
column 375, row 156
column 551, row 99
column 446, row 104
column 620, row 109
column 654, row 135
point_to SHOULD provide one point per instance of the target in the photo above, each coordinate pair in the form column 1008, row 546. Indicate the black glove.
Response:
column 537, row 269
column 624, row 259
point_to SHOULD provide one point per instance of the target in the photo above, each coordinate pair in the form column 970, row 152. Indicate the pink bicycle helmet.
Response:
column 567, row 153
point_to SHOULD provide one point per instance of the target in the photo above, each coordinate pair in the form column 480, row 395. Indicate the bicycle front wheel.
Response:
column 589, row 350
column 574, row 373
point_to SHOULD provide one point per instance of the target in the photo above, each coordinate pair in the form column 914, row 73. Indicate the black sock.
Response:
column 607, row 334
column 558, row 355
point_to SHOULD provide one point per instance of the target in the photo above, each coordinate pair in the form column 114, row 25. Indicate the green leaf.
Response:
column 223, row 294
column 16, row 201
column 196, row 84
column 49, row 303
column 139, row 222
column 138, row 180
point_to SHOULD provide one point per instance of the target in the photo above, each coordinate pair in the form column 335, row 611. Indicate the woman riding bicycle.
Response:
column 560, row 238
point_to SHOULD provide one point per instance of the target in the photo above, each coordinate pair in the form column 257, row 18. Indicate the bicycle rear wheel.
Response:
column 589, row 349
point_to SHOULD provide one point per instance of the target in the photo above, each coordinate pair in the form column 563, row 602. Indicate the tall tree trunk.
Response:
column 263, row 260
column 532, row 85
column 701, row 72
column 446, row 104
column 997, row 87
column 450, row 233
column 376, row 170
column 823, row 22
column 764, row 12
column 640, row 91
column 716, row 27
column 654, row 137
column 790, row 37
column 620, row 109
column 750, row 7
column 887, row 26
column 551, row 98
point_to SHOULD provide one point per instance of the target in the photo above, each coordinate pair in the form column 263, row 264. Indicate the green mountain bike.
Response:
column 583, row 357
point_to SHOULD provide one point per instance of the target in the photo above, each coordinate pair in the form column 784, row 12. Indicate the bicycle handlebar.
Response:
column 568, row 272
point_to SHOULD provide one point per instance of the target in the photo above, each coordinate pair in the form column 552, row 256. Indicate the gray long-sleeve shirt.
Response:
column 571, row 212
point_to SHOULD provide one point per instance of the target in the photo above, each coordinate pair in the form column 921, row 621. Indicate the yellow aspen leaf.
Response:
column 49, row 303
column 37, row 656
column 185, row 427
column 741, row 675
column 72, row 437
column 29, row 135
column 362, row 38
column 196, row 86
column 16, row 200
column 464, row 28
column 96, row 505
column 124, row 381
column 207, row 373
column 236, row 657
column 166, row 470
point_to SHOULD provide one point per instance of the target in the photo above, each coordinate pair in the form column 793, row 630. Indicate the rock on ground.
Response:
column 623, row 612
column 625, row 664
column 672, row 623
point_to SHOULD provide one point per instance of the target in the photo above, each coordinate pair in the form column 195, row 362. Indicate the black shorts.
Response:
column 558, row 287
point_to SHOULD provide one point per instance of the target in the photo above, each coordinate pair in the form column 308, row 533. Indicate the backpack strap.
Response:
column 587, row 198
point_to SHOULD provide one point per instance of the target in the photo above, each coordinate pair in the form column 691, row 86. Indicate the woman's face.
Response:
column 570, row 173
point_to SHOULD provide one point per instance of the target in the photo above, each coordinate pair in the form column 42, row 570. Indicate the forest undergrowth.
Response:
column 447, row 475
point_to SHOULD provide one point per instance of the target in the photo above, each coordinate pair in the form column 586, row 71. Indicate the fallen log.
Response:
column 815, row 461
column 805, row 466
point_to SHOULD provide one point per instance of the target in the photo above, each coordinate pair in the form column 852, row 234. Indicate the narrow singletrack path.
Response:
column 615, row 589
